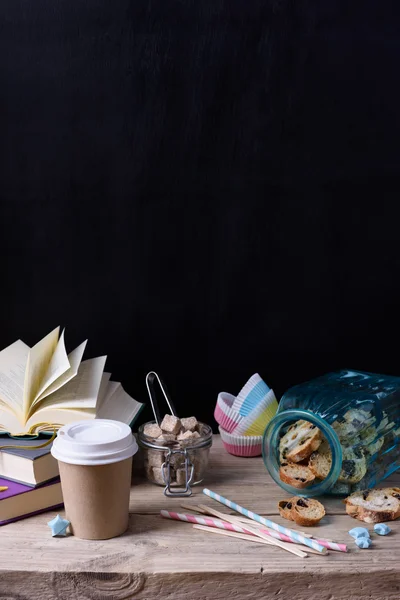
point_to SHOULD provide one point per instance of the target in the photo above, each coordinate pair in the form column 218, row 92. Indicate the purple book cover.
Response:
column 15, row 489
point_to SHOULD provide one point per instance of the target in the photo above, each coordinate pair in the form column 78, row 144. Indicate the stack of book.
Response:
column 41, row 389
column 29, row 480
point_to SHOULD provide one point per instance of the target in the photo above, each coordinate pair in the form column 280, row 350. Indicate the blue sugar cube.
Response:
column 359, row 532
column 363, row 542
column 382, row 529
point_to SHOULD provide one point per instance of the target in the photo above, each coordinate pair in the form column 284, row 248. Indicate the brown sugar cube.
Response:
column 177, row 459
column 189, row 423
column 181, row 477
column 171, row 424
column 172, row 475
column 165, row 439
column 188, row 438
column 152, row 430
column 155, row 458
column 156, row 475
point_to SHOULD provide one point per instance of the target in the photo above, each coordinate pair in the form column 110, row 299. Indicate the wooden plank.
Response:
column 17, row 585
column 161, row 558
column 241, row 479
column 157, row 545
column 216, row 586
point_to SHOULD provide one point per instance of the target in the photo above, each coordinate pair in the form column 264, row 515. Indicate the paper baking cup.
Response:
column 256, row 422
column 224, row 413
column 241, row 445
column 250, row 395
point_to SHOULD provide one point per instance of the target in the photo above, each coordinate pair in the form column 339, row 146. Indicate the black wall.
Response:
column 204, row 188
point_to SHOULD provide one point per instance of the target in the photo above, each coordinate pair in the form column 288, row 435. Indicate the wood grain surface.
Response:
column 158, row 558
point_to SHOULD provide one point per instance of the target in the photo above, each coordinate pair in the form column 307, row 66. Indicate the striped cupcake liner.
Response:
column 240, row 445
column 256, row 422
column 224, row 413
column 250, row 395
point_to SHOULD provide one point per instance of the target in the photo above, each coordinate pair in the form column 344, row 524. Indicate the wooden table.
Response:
column 163, row 559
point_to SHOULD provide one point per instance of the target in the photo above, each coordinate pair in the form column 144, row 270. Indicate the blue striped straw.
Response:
column 297, row 537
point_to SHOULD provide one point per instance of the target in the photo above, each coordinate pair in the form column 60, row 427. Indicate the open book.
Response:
column 43, row 386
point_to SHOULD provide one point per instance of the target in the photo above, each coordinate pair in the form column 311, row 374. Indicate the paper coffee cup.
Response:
column 95, row 462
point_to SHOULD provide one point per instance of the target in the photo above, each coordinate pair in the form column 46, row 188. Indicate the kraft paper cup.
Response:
column 95, row 462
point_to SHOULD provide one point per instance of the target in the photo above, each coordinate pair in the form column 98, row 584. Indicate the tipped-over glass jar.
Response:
column 358, row 417
column 177, row 465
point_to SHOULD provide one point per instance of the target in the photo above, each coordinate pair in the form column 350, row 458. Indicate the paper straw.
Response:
column 206, row 510
column 258, row 527
column 219, row 524
column 210, row 522
column 293, row 548
column 296, row 537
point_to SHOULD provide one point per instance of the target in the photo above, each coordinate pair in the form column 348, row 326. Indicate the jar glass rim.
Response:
column 270, row 450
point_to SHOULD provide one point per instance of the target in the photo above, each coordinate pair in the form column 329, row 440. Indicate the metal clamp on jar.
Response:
column 166, row 470
column 177, row 465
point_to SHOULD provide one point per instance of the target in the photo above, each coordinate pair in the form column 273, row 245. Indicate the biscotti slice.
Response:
column 354, row 422
column 354, row 465
column 320, row 463
column 395, row 492
column 374, row 506
column 301, row 439
column 368, row 435
column 373, row 448
column 298, row 476
column 285, row 509
column 306, row 511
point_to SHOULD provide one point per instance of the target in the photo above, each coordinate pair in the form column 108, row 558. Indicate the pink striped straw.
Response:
column 210, row 522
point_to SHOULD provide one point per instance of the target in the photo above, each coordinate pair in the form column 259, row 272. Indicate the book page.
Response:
column 10, row 423
column 58, row 365
column 112, row 387
column 105, row 378
column 82, row 391
column 44, row 417
column 38, row 361
column 13, row 360
column 74, row 359
column 119, row 406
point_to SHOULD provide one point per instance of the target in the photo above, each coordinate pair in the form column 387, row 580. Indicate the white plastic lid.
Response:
column 94, row 442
